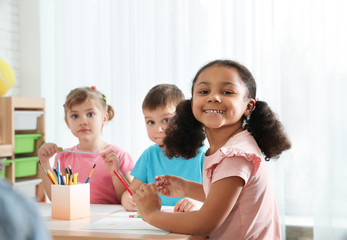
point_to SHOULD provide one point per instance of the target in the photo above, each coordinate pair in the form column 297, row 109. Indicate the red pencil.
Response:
column 125, row 185
column 49, row 177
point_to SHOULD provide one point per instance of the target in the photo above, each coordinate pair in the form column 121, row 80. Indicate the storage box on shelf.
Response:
column 25, row 143
column 26, row 166
column 22, row 131
column 26, row 120
column 5, row 164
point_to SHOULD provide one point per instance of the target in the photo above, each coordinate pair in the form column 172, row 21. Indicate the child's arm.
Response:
column 217, row 206
column 46, row 151
column 128, row 178
column 173, row 186
column 111, row 163
column 127, row 200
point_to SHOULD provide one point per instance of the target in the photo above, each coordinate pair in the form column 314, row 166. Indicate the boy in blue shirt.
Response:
column 158, row 107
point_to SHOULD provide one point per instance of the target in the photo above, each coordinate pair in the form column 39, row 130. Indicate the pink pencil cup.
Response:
column 70, row 201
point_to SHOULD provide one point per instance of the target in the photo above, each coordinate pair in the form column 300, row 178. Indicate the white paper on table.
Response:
column 125, row 214
column 122, row 214
column 113, row 223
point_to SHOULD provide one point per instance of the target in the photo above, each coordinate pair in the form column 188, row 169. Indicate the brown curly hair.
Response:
column 185, row 135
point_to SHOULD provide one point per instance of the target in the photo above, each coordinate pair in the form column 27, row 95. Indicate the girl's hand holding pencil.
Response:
column 147, row 200
column 128, row 202
column 46, row 151
column 125, row 184
column 111, row 161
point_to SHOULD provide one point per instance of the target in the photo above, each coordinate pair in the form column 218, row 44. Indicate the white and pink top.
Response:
column 255, row 214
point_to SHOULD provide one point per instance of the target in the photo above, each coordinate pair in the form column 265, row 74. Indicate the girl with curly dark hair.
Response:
column 239, row 202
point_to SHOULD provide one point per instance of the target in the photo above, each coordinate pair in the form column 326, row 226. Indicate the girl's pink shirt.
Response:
column 255, row 214
column 102, row 190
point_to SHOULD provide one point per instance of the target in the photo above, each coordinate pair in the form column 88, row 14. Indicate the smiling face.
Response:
column 157, row 121
column 86, row 120
column 220, row 98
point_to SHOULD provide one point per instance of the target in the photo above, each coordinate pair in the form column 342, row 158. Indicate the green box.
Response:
column 5, row 164
column 26, row 166
column 25, row 143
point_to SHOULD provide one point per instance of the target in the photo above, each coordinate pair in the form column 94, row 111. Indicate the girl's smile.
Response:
column 213, row 111
column 219, row 98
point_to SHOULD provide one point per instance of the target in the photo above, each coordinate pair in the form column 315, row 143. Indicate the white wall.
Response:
column 20, row 44
column 9, row 40
column 29, row 44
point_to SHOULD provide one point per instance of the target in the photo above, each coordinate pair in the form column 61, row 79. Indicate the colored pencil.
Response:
column 70, row 151
column 58, row 171
column 122, row 181
column 42, row 167
column 46, row 172
column 53, row 178
column 90, row 174
column 63, row 180
column 70, row 175
column 67, row 176
column 75, row 176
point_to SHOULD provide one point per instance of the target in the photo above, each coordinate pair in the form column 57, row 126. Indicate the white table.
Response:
column 76, row 229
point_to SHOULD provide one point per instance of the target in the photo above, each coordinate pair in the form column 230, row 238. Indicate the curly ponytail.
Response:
column 184, row 135
column 267, row 130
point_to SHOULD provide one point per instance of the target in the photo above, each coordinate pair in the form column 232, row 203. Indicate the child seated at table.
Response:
column 158, row 107
column 86, row 112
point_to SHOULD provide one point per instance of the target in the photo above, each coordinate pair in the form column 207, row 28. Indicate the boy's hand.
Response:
column 46, row 151
column 111, row 161
column 171, row 186
column 147, row 200
column 128, row 202
column 187, row 205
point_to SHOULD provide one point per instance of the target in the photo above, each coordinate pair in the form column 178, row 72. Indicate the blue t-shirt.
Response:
column 154, row 162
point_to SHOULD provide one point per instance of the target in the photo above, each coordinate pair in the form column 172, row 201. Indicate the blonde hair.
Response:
column 79, row 95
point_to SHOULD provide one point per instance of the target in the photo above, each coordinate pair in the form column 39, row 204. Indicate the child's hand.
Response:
column 171, row 186
column 187, row 205
column 111, row 161
column 147, row 200
column 46, row 151
column 128, row 202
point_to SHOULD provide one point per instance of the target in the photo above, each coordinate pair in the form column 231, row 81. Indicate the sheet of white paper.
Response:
column 126, row 214
column 123, row 214
column 126, row 223
column 120, row 221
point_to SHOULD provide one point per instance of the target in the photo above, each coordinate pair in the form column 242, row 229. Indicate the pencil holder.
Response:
column 70, row 201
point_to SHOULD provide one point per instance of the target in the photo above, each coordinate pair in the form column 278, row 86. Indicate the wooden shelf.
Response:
column 6, row 150
column 8, row 105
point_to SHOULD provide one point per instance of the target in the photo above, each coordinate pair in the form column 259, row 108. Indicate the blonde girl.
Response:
column 86, row 112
